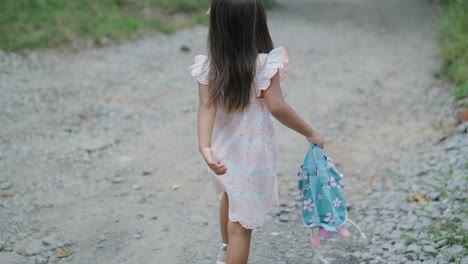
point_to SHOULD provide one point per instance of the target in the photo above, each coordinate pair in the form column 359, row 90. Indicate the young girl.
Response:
column 239, row 92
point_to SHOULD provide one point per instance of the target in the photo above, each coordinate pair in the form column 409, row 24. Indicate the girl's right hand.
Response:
column 316, row 138
column 213, row 161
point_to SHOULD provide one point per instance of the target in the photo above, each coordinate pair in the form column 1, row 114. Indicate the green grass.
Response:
column 27, row 24
column 269, row 4
column 48, row 23
column 450, row 173
column 461, row 91
column 444, row 192
column 409, row 240
column 453, row 32
column 451, row 231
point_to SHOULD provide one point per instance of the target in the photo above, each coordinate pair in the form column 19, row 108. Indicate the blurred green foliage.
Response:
column 453, row 32
column 450, row 231
column 28, row 24
column 269, row 4
column 461, row 91
column 48, row 23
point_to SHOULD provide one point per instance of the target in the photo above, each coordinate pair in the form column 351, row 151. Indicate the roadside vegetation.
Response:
column 453, row 33
column 450, row 231
column 28, row 24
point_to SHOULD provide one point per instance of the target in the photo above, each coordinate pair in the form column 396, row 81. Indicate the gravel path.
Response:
column 99, row 162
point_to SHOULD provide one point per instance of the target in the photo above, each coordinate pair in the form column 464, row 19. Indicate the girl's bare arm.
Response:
column 286, row 115
column 206, row 117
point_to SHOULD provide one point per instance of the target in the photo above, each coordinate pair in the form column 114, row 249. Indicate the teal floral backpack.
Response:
column 321, row 191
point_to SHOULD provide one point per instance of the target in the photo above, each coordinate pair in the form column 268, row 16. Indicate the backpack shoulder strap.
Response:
column 319, row 159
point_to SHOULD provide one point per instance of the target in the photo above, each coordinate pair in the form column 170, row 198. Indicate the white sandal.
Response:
column 221, row 259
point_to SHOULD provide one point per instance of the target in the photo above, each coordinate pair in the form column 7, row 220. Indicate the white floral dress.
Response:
column 245, row 142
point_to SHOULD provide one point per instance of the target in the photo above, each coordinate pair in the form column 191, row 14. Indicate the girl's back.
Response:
column 245, row 142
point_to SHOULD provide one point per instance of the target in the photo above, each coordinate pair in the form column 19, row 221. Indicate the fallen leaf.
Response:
column 463, row 116
column 175, row 187
column 83, row 114
column 5, row 195
column 62, row 253
column 419, row 197
column 389, row 184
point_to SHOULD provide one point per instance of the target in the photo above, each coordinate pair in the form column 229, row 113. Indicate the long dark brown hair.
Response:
column 238, row 32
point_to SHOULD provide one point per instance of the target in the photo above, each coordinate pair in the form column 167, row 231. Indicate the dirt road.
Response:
column 92, row 142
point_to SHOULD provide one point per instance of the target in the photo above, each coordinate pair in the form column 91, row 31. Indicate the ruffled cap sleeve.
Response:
column 274, row 62
column 200, row 69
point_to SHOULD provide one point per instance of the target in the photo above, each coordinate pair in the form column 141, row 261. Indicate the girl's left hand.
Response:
column 316, row 138
column 213, row 161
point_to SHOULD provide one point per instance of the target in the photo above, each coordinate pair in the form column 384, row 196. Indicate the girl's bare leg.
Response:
column 224, row 218
column 239, row 243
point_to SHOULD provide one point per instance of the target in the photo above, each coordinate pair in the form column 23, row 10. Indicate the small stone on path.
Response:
column 184, row 48
column 147, row 172
column 465, row 224
column 5, row 185
column 413, row 248
column 429, row 249
column 464, row 260
column 463, row 128
column 49, row 241
column 116, row 180
column 284, row 218
column 28, row 247
column 40, row 260
column 455, row 249
column 142, row 200
column 96, row 144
